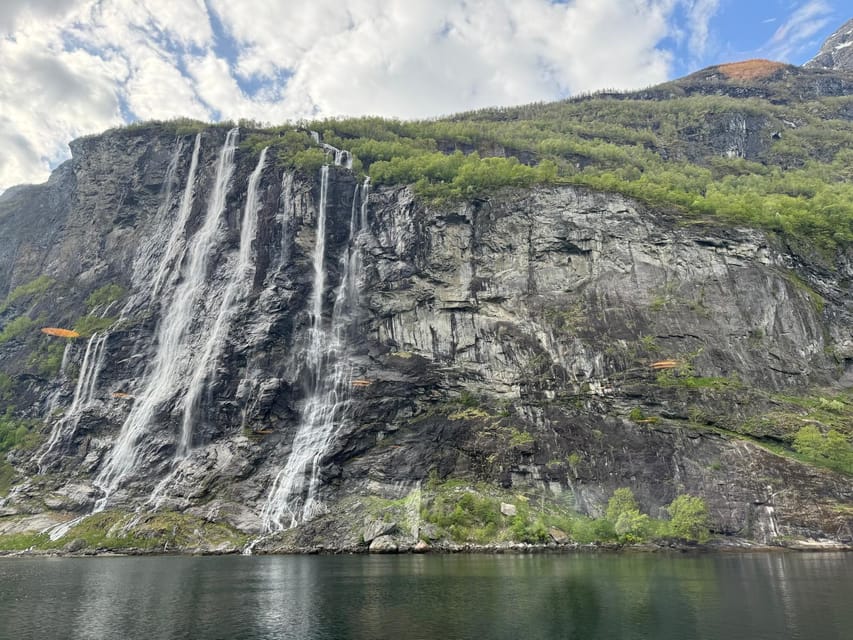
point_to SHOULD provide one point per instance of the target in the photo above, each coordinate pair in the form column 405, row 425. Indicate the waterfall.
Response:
column 286, row 215
column 66, row 355
column 166, row 375
column 342, row 157
column 175, row 242
column 239, row 285
column 87, row 381
column 93, row 357
column 293, row 497
column 365, row 192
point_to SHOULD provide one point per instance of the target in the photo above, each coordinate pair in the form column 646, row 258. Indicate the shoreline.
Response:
column 515, row 548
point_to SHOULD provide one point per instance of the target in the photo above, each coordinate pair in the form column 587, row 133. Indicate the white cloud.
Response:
column 72, row 66
column 15, row 12
column 699, row 14
column 49, row 96
column 799, row 30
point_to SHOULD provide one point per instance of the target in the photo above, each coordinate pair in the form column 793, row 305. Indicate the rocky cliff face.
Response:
column 271, row 349
column 836, row 52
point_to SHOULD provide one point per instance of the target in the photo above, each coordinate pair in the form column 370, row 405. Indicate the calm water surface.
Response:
column 659, row 597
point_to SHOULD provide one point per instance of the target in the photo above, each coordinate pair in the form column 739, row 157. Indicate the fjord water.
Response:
column 658, row 597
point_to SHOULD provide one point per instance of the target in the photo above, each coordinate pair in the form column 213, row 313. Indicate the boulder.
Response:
column 558, row 535
column 376, row 528
column 383, row 544
column 421, row 547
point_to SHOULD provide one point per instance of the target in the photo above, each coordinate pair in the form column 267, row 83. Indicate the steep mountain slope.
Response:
column 836, row 52
column 646, row 290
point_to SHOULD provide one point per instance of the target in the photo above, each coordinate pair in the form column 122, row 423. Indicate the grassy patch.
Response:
column 18, row 433
column 111, row 530
column 88, row 325
column 519, row 438
column 23, row 541
column 6, row 386
column 105, row 295
column 7, row 474
column 670, row 379
column 47, row 358
column 470, row 413
column 817, row 300
column 16, row 328
column 31, row 289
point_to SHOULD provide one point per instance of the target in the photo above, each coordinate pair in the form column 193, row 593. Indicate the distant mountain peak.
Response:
column 837, row 52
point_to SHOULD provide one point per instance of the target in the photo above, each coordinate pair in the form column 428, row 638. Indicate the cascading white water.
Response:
column 365, row 193
column 286, row 215
column 342, row 157
column 175, row 245
column 87, row 381
column 93, row 357
column 174, row 354
column 293, row 497
column 239, row 285
column 66, row 356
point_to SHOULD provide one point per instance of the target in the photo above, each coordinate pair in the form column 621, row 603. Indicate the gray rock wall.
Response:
column 507, row 341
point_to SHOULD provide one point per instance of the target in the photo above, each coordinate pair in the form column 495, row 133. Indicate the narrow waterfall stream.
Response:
column 175, row 245
column 293, row 497
column 174, row 355
column 239, row 285
column 84, row 392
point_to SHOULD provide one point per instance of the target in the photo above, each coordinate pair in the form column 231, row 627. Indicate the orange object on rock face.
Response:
column 60, row 333
column 665, row 364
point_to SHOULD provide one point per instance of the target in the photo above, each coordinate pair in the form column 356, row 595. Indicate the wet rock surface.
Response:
column 506, row 341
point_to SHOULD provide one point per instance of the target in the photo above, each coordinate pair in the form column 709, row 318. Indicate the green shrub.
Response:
column 832, row 450
column 7, row 474
column 16, row 328
column 6, row 386
column 88, row 325
column 519, row 438
column 623, row 513
column 17, row 433
column 689, row 518
column 47, row 358
column 103, row 296
column 31, row 289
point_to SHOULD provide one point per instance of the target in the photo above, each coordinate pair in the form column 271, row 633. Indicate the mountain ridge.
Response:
column 836, row 53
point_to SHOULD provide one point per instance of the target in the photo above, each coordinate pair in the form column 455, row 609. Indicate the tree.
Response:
column 624, row 514
column 690, row 518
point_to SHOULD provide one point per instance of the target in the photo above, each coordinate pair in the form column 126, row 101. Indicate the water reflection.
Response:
column 406, row 597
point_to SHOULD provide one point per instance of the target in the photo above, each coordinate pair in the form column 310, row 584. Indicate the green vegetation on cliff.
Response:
column 17, row 433
column 473, row 513
column 778, row 158
column 33, row 289
column 116, row 530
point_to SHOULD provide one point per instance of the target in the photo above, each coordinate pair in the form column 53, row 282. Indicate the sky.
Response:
column 74, row 67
